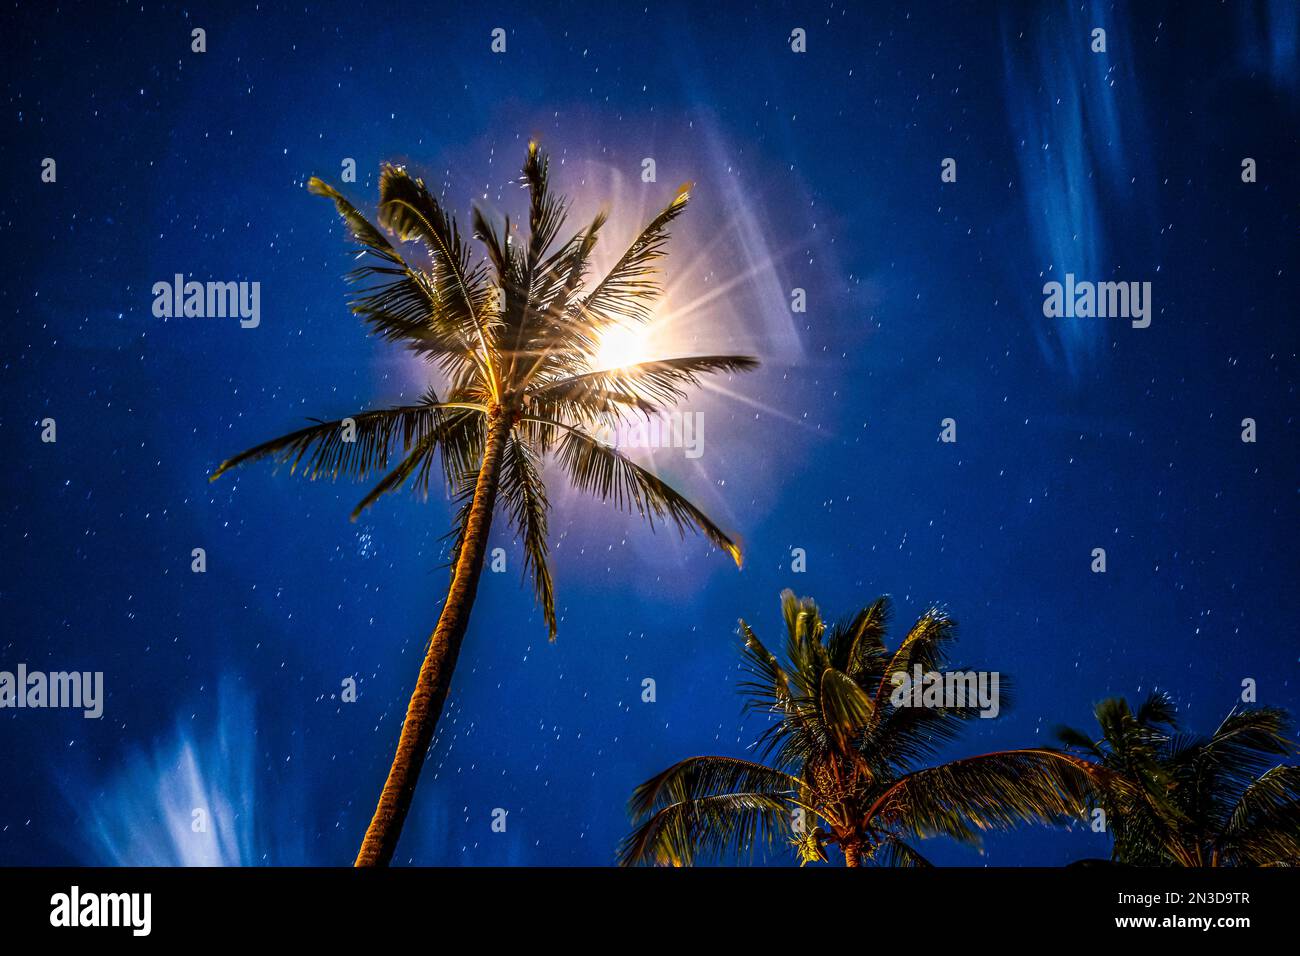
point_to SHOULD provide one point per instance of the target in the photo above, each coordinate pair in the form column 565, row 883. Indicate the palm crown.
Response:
column 844, row 765
column 1178, row 799
column 516, row 336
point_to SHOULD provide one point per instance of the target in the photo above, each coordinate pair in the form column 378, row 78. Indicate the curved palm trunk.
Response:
column 852, row 853
column 431, row 687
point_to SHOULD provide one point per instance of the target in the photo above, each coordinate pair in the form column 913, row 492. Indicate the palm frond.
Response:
column 323, row 449
column 545, row 210
column 455, row 436
column 402, row 306
column 612, row 476
column 524, row 494
column 732, row 824
column 697, row 777
column 555, row 345
column 803, row 646
column 925, row 645
column 411, row 211
column 558, row 279
column 988, row 792
column 769, row 691
column 628, row 289
column 707, row 806
column 902, row 737
column 846, row 710
column 646, row 386
column 1251, row 737
column 463, row 495
column 496, row 244
column 857, row 647
column 1158, row 710
column 1073, row 737
column 894, row 852
column 1263, row 828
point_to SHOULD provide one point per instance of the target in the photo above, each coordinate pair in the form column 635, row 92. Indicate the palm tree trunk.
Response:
column 852, row 854
column 431, row 687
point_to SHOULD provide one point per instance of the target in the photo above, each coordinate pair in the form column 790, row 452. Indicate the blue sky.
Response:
column 817, row 171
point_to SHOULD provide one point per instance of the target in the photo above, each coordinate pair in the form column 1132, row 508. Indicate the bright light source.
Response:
column 621, row 346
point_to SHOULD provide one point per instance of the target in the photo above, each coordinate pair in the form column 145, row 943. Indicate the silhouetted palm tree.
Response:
column 1176, row 799
column 516, row 337
column 845, row 762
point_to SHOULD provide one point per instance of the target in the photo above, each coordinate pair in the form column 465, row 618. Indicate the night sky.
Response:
column 816, row 170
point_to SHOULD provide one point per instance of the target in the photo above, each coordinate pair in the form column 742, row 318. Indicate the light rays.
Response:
column 624, row 345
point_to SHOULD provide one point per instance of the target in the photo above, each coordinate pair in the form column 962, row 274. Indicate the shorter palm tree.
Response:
column 845, row 763
column 1177, row 799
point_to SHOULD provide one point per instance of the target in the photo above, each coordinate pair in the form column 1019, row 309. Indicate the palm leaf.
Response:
column 455, row 436
column 846, row 710
column 403, row 305
column 556, row 344
column 857, row 647
column 612, row 476
column 323, row 451
column 894, row 852
column 1158, row 710
column 770, row 689
column 697, row 777
column 626, row 291
column 988, row 792
column 525, row 496
column 732, row 824
column 707, row 806
column 545, row 210
column 647, row 386
column 1072, row 737
column 924, row 645
column 409, row 209
column 1264, row 825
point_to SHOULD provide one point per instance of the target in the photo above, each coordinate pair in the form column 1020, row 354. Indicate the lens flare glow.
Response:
column 621, row 346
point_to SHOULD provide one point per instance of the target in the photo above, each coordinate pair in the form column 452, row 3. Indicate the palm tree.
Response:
column 1176, row 799
column 845, row 765
column 516, row 338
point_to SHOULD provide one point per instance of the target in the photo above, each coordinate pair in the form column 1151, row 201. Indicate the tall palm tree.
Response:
column 1177, row 799
column 845, row 763
column 516, row 337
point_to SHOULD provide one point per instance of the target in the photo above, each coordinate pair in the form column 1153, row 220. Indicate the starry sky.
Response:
column 818, row 171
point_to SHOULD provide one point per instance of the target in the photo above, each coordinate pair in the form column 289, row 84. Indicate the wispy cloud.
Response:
column 192, row 800
column 1080, row 122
